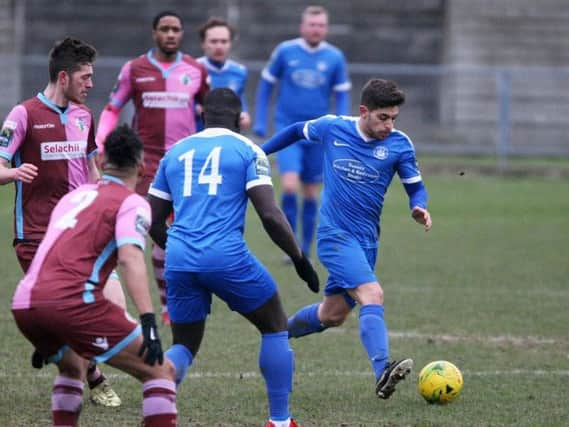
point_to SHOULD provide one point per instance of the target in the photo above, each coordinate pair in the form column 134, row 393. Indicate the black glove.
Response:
column 306, row 272
column 37, row 360
column 151, row 342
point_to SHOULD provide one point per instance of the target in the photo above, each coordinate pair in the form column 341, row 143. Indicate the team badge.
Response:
column 380, row 152
column 185, row 79
column 262, row 166
column 80, row 123
column 321, row 66
column 142, row 221
column 7, row 133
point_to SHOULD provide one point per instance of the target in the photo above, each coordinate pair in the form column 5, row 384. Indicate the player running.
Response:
column 361, row 156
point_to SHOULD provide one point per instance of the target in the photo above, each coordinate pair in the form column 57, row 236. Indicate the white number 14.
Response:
column 213, row 179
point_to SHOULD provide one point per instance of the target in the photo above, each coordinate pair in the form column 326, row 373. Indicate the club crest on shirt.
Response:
column 7, row 133
column 321, row 66
column 380, row 152
column 80, row 123
column 185, row 79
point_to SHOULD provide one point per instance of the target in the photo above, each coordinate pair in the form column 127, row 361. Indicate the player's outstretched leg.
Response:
column 373, row 333
column 305, row 322
column 101, row 392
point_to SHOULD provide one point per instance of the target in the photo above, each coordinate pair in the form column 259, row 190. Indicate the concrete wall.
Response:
column 508, row 34
column 458, row 107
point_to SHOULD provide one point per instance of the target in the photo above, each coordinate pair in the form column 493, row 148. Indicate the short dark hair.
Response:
column 220, row 105
column 379, row 93
column 215, row 22
column 162, row 14
column 123, row 147
column 69, row 55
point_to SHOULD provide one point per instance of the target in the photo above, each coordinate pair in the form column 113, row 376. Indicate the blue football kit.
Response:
column 206, row 177
column 307, row 77
column 230, row 74
column 357, row 173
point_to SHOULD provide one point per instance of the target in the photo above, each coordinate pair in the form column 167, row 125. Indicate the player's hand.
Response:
column 26, row 173
column 151, row 344
column 306, row 272
column 37, row 360
column 422, row 216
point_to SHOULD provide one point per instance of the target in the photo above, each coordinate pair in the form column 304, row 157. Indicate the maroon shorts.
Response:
column 25, row 251
column 94, row 331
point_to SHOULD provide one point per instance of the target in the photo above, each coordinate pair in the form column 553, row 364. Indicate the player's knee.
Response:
column 333, row 318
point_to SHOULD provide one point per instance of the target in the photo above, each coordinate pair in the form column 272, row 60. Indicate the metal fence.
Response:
column 475, row 110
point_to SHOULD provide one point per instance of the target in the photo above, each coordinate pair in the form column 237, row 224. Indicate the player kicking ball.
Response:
column 361, row 156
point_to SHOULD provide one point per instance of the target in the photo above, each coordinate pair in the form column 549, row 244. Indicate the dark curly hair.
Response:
column 123, row 147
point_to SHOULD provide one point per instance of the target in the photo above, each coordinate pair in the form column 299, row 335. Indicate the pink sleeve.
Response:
column 122, row 92
column 107, row 122
column 120, row 95
column 13, row 131
column 133, row 222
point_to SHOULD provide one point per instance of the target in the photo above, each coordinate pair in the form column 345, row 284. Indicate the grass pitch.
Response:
column 487, row 289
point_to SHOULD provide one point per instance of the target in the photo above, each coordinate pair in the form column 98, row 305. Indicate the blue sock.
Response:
column 309, row 208
column 276, row 361
column 304, row 322
column 290, row 209
column 182, row 358
column 373, row 333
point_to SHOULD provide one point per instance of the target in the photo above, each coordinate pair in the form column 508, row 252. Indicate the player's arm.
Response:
column 133, row 270
column 26, row 172
column 12, row 135
column 284, row 138
column 107, row 122
column 133, row 221
column 120, row 95
column 94, row 174
column 262, row 101
column 418, row 203
column 342, row 102
column 280, row 232
column 411, row 179
column 161, row 210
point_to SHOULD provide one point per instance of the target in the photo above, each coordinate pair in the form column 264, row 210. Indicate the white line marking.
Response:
column 255, row 375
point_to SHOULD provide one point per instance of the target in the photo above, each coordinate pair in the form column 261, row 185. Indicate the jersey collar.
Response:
column 307, row 47
column 112, row 179
column 153, row 61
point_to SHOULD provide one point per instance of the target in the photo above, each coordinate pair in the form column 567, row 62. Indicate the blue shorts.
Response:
column 244, row 288
column 349, row 264
column 303, row 158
